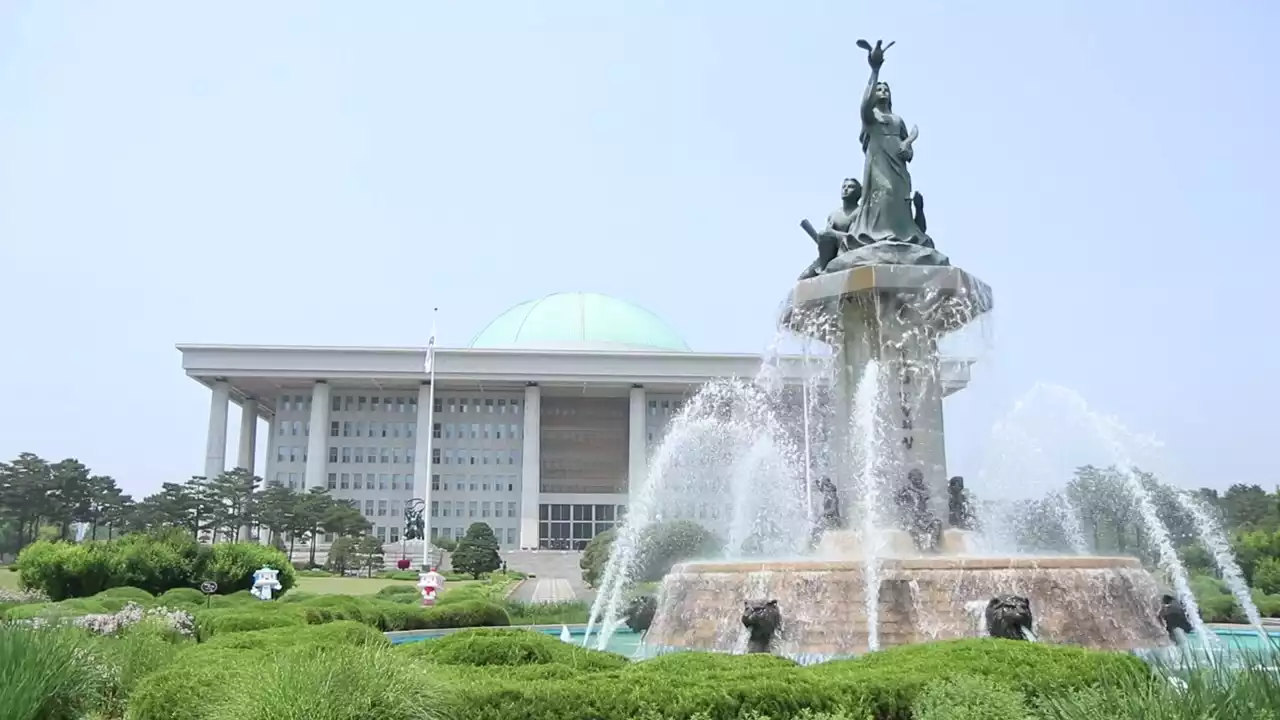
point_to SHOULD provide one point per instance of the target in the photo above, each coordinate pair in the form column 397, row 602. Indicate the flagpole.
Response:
column 430, row 431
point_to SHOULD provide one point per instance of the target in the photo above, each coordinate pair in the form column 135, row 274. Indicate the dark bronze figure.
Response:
column 1009, row 617
column 831, row 518
column 959, row 514
column 639, row 613
column 834, row 239
column 912, row 502
column 1173, row 616
column 761, row 619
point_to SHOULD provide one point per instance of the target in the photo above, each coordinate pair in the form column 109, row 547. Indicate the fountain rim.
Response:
column 912, row 564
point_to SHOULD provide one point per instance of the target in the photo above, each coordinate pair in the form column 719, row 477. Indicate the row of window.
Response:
column 365, row 481
column 358, row 428
column 473, row 483
column 386, row 455
column 441, row 509
column 499, row 406
column 459, row 533
column 449, row 456
column 475, row 431
column 375, row 404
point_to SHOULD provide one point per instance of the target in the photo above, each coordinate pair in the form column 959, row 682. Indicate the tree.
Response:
column 477, row 551
column 368, row 554
column 231, row 501
column 595, row 557
column 665, row 544
column 343, row 555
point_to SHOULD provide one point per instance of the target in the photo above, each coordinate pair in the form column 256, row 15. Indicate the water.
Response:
column 730, row 462
column 1215, row 541
column 866, row 430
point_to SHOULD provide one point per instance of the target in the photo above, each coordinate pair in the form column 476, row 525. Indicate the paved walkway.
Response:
column 553, row 590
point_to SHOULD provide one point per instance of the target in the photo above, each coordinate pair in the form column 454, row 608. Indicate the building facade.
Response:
column 538, row 428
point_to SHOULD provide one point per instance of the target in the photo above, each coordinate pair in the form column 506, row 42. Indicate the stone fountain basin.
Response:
column 1103, row 603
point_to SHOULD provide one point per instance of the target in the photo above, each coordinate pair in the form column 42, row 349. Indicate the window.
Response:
column 368, row 481
column 435, row 430
column 435, row 482
column 488, row 405
column 282, row 428
column 359, row 454
column 395, row 508
column 386, row 456
column 411, row 429
column 368, row 508
column 346, row 428
column 357, row 481
column 653, row 407
column 435, row 456
column 344, row 481
column 462, row 405
column 408, row 455
column 293, row 480
column 281, row 450
column 471, row 508
column 475, row 430
column 413, row 404
column 346, row 454
column 333, row 481
column 448, row 431
column 444, row 510
column 306, row 429
column 382, row 481
column 361, row 428
column 515, row 407
column 333, row 454
column 336, row 403
column 511, row 509
column 486, row 430
column 435, row 509
column 374, row 429
column 386, row 429
column 511, row 536
column 497, row 432
column 373, row 404
column 511, row 457
column 514, row 431
column 360, row 403
column 458, row 508
column 382, row 508
column 475, row 405
column 435, row 532
column 297, row 426
column 348, row 403
column 395, row 481
column 395, row 534
column 284, row 403
column 408, row 482
column 473, row 487
column 293, row 454
column 437, row 406
column 395, row 456
column 381, row 533
column 502, row 407
column 397, row 429
column 448, row 456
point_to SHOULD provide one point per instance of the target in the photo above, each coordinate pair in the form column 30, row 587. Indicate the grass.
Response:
column 356, row 586
column 8, row 580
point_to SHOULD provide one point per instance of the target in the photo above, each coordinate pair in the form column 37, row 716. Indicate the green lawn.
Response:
column 355, row 586
column 8, row 580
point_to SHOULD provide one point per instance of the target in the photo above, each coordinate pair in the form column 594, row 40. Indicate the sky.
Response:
column 326, row 173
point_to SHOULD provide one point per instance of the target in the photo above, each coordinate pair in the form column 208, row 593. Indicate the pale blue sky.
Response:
column 326, row 172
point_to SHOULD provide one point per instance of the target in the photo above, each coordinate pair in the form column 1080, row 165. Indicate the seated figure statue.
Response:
column 912, row 502
column 761, row 618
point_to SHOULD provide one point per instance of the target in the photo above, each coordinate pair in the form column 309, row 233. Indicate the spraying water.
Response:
column 1215, row 541
column 865, row 428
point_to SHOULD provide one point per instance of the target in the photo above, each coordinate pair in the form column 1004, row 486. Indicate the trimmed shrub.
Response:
column 341, row 633
column 214, row 622
column 336, row 684
column 44, row 674
column 562, row 613
column 966, row 697
column 65, row 570
column 394, row 590
column 232, row 565
column 178, row 597
column 127, row 593
column 510, row 647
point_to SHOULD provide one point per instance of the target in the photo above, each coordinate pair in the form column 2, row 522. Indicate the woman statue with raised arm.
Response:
column 886, row 186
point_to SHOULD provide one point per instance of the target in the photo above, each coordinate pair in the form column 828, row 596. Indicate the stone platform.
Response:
column 1105, row 603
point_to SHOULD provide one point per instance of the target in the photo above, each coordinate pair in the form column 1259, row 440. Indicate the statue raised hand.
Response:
column 875, row 55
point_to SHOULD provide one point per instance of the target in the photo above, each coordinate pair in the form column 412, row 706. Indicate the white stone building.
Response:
column 538, row 428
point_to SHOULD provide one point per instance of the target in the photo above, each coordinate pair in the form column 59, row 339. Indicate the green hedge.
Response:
column 341, row 633
column 322, row 609
column 510, row 647
column 153, row 564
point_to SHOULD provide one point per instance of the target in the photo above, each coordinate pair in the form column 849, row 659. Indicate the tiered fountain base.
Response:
column 1106, row 603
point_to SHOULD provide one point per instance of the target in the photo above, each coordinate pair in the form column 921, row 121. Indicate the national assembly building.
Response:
column 539, row 427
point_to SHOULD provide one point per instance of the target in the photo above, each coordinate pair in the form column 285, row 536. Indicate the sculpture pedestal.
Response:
column 893, row 315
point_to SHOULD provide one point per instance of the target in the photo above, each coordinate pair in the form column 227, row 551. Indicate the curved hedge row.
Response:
column 153, row 564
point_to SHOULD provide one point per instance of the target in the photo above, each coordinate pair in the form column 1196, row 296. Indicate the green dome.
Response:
column 579, row 321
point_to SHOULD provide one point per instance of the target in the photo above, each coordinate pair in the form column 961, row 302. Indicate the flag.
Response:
column 431, row 344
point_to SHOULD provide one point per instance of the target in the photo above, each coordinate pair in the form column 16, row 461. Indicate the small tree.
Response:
column 477, row 552
column 342, row 555
column 595, row 557
column 369, row 554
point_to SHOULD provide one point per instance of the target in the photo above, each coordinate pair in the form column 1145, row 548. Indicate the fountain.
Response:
column 899, row 564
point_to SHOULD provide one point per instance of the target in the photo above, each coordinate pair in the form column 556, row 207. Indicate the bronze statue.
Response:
column 1174, row 617
column 761, row 619
column 912, row 501
column 958, row 511
column 888, row 147
column 830, row 518
column 834, row 239
column 1009, row 617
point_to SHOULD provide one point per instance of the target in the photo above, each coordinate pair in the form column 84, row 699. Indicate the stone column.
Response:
column 531, row 466
column 215, row 455
column 637, row 443
column 422, row 467
column 318, row 441
column 248, row 454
